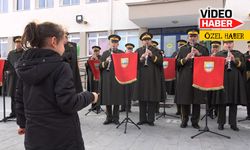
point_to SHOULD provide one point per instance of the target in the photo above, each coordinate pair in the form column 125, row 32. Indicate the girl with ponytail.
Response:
column 47, row 103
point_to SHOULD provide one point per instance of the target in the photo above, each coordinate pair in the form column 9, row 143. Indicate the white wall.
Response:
column 241, row 11
column 98, row 16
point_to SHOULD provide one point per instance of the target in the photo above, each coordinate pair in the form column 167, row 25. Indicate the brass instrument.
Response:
column 111, row 52
column 146, row 58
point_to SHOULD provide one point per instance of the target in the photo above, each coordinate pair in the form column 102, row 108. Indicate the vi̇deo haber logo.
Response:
column 217, row 18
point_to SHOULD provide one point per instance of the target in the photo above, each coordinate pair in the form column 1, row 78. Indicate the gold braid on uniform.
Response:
column 182, row 62
column 155, row 59
column 103, row 64
column 238, row 62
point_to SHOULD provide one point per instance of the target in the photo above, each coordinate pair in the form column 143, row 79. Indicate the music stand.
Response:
column 164, row 114
column 127, row 120
column 206, row 129
column 92, row 109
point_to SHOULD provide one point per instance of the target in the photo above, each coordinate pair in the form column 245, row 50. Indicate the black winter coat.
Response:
column 47, row 103
column 70, row 56
column 185, row 93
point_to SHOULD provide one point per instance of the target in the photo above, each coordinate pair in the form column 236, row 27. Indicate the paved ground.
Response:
column 165, row 135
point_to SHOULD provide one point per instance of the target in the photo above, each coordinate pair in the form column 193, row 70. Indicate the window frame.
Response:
column 96, row 38
column 23, row 5
column 45, row 5
column 127, row 35
column 97, row 1
column 2, row 2
column 70, row 3
column 3, row 40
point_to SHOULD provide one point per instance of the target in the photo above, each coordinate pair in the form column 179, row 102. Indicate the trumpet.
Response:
column 146, row 58
column 111, row 52
column 229, row 61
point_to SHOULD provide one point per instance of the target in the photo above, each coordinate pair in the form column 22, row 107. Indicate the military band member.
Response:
column 130, row 87
column 92, row 85
column 215, row 47
column 70, row 56
column 163, row 86
column 12, row 59
column 171, row 86
column 247, row 59
column 112, row 93
column 185, row 93
column 213, row 109
column 234, row 92
column 149, row 79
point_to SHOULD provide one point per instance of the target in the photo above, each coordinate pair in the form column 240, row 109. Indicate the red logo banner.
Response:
column 125, row 65
column 169, row 68
column 94, row 66
column 208, row 73
column 2, row 62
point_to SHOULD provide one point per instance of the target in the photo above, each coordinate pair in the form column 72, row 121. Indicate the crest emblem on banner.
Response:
column 165, row 64
column 124, row 62
column 97, row 65
column 209, row 66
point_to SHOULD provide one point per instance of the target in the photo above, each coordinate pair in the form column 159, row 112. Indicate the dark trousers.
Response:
column 13, row 106
column 113, row 116
column 178, row 106
column 157, row 107
column 185, row 111
column 147, row 111
column 232, row 114
column 248, row 109
column 123, row 107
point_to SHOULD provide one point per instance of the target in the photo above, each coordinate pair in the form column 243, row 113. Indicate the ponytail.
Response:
column 35, row 35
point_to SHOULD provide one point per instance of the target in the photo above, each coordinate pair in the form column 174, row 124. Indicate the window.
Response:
column 75, row 37
column 70, row 2
column 4, row 47
column 95, row 1
column 129, row 36
column 3, row 6
column 45, row 3
column 23, row 5
column 97, row 38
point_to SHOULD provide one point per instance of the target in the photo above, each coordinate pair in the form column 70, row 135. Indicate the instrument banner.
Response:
column 125, row 65
column 169, row 68
column 2, row 62
column 208, row 73
column 94, row 66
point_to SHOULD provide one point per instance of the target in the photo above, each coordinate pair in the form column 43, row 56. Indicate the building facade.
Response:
column 166, row 19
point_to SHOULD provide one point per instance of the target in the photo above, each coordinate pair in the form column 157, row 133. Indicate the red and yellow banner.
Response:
column 125, row 65
column 208, row 73
column 2, row 62
column 94, row 66
column 169, row 68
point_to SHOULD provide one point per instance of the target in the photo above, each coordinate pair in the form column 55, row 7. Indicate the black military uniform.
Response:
column 185, row 93
column 234, row 89
column 163, row 86
column 92, row 85
column 247, row 59
column 12, row 59
column 148, row 86
column 112, row 93
column 213, row 109
column 129, row 87
column 70, row 56
column 171, row 85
